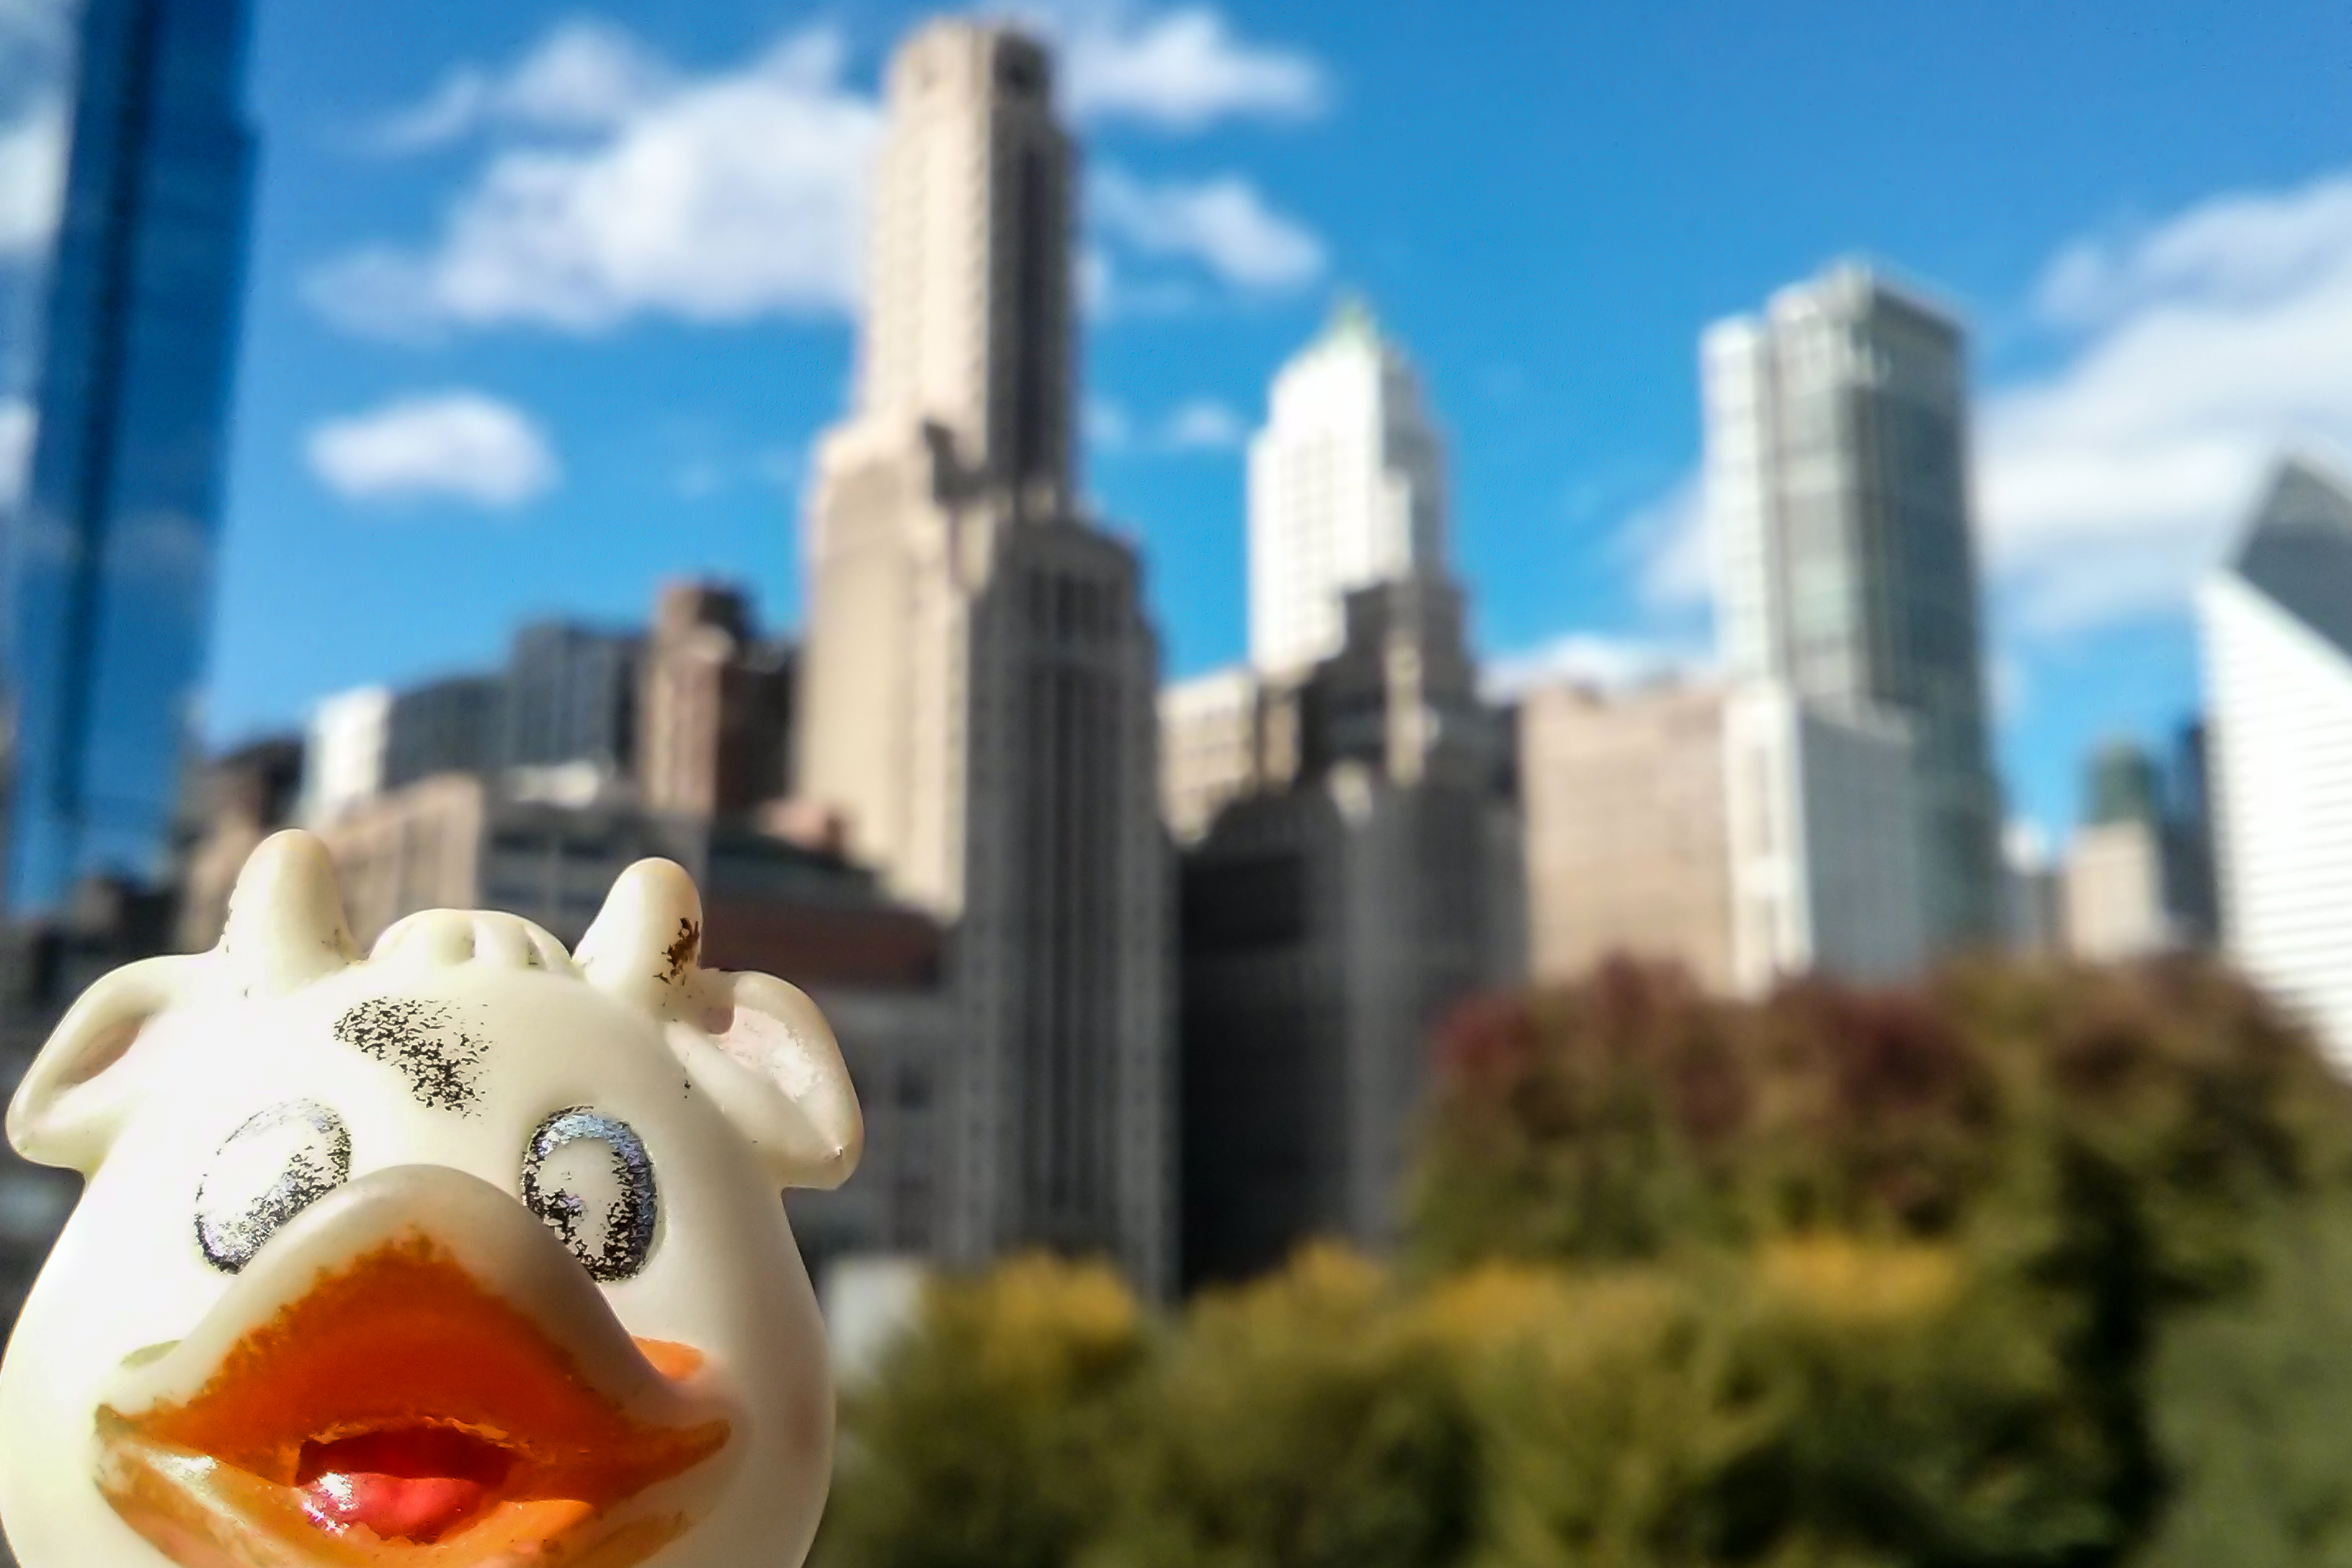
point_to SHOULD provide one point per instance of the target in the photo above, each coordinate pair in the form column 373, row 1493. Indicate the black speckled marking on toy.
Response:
column 680, row 953
column 442, row 1063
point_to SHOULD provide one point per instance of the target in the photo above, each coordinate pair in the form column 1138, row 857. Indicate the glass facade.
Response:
column 1837, row 470
column 571, row 696
column 110, row 557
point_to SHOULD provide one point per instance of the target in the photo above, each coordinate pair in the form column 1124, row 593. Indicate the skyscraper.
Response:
column 2118, row 897
column 2276, row 625
column 452, row 725
column 570, row 700
column 1346, row 487
column 1837, row 495
column 343, row 753
column 716, row 707
column 978, row 682
column 1353, row 863
column 1329, row 922
column 110, row 559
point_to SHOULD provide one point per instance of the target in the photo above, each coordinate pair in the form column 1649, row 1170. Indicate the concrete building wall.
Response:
column 1627, row 847
column 1331, row 920
column 2114, row 892
column 1209, row 750
column 418, row 847
column 1329, row 930
column 714, row 708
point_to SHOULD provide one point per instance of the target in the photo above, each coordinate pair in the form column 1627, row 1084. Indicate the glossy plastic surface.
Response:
column 469, row 1252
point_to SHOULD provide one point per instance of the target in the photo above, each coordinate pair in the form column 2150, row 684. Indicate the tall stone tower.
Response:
column 979, row 681
column 1347, row 488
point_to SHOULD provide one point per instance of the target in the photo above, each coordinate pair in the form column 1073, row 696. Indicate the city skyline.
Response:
column 1568, row 444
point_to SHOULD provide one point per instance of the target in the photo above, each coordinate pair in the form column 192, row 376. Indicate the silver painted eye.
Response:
column 587, row 1177
column 273, row 1167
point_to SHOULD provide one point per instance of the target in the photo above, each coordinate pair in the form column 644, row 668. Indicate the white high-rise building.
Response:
column 2276, row 621
column 2113, row 893
column 1824, row 861
column 1347, row 488
column 342, row 759
column 1837, row 501
column 979, row 682
column 2119, row 897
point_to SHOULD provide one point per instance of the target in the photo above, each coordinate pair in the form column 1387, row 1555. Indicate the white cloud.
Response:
column 1666, row 538
column 2188, row 356
column 2209, row 343
column 2240, row 247
column 456, row 446
column 1590, row 659
column 16, row 426
column 585, row 76
column 1179, row 69
column 1222, row 223
column 32, row 178
column 1202, row 425
column 613, row 185
column 1106, row 289
column 622, row 187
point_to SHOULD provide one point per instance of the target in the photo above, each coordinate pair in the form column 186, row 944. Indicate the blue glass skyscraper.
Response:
column 110, row 557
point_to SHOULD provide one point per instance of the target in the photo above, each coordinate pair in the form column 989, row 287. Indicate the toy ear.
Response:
column 71, row 1104
column 756, row 1046
column 776, row 1071
column 285, row 929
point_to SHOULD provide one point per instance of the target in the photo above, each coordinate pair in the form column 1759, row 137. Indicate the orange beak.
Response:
column 404, row 1409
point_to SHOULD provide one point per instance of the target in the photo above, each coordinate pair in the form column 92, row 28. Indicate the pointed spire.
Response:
column 2296, row 549
column 1352, row 317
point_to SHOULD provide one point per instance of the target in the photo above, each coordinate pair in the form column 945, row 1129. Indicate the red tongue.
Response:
column 415, row 1483
column 395, row 1507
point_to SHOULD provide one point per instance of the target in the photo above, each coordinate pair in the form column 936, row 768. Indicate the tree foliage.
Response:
column 2046, row 1268
column 981, row 1444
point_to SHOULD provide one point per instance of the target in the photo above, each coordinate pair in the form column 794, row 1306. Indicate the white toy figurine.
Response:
column 470, row 1253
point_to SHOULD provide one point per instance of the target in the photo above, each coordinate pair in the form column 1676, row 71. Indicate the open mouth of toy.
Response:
column 412, row 1404
column 402, row 1483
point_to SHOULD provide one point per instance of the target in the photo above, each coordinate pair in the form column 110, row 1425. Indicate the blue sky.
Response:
column 548, row 301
